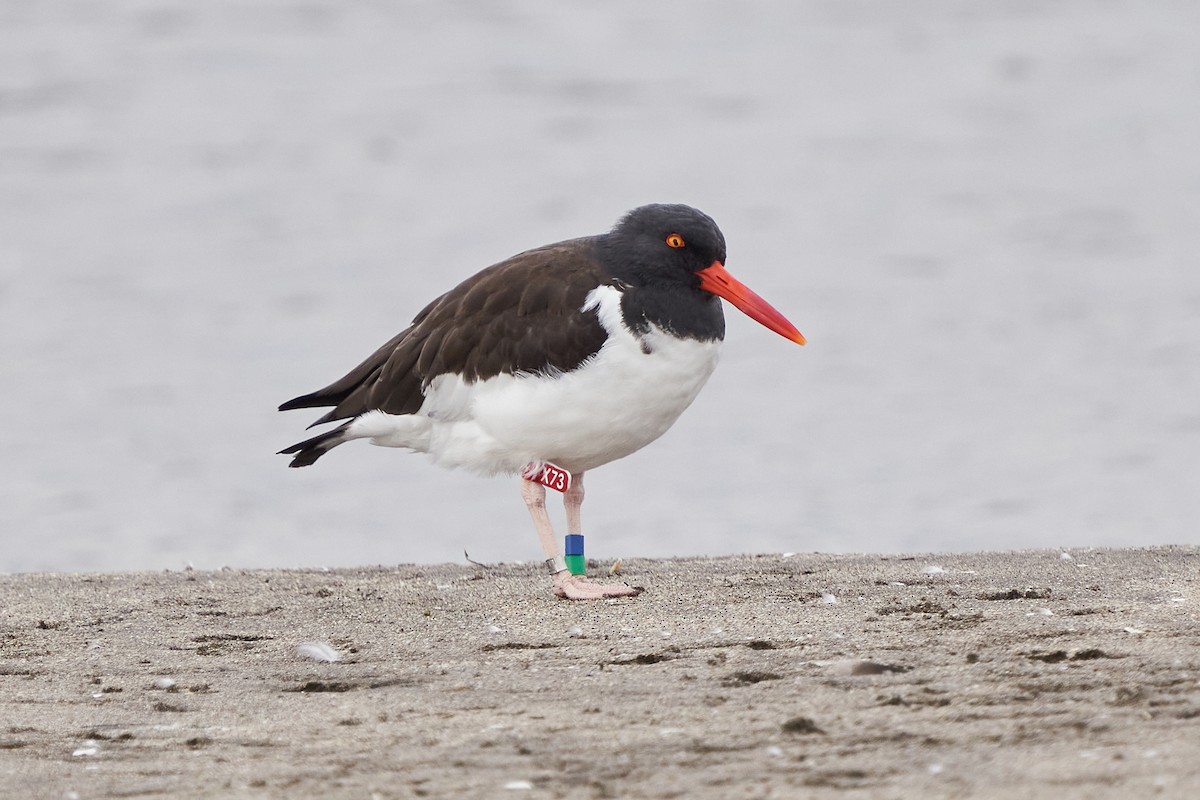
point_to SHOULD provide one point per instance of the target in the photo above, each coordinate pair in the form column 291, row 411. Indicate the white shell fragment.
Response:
column 89, row 749
column 318, row 651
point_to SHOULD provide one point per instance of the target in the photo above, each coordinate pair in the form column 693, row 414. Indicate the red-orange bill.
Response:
column 714, row 278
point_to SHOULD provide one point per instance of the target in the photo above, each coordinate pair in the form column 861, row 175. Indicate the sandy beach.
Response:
column 981, row 215
column 1036, row 674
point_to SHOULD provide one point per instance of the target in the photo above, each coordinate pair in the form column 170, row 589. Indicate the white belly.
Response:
column 627, row 396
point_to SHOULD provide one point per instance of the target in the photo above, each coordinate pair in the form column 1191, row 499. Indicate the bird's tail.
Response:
column 308, row 451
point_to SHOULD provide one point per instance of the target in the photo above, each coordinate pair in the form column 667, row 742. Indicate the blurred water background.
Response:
column 984, row 216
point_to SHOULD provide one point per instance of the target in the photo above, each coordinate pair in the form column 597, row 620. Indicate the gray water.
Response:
column 982, row 215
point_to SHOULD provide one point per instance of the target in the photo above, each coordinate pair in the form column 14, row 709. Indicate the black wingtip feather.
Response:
column 307, row 452
column 305, row 401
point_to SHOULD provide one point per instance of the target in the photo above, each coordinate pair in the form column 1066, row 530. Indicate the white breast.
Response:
column 625, row 397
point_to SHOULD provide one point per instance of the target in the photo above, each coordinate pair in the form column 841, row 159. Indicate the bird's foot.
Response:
column 578, row 587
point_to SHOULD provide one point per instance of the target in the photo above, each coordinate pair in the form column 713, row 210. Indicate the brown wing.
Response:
column 521, row 315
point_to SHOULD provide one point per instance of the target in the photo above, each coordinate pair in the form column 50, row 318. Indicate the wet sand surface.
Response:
column 1036, row 674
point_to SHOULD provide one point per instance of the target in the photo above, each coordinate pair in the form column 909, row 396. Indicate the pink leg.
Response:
column 572, row 502
column 572, row 587
column 534, row 495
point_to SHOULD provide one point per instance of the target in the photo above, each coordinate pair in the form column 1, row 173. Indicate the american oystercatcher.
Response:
column 550, row 364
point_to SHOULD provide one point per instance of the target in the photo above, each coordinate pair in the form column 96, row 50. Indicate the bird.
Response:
column 550, row 364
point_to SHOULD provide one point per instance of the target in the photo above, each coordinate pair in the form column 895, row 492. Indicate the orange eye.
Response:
column 674, row 240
